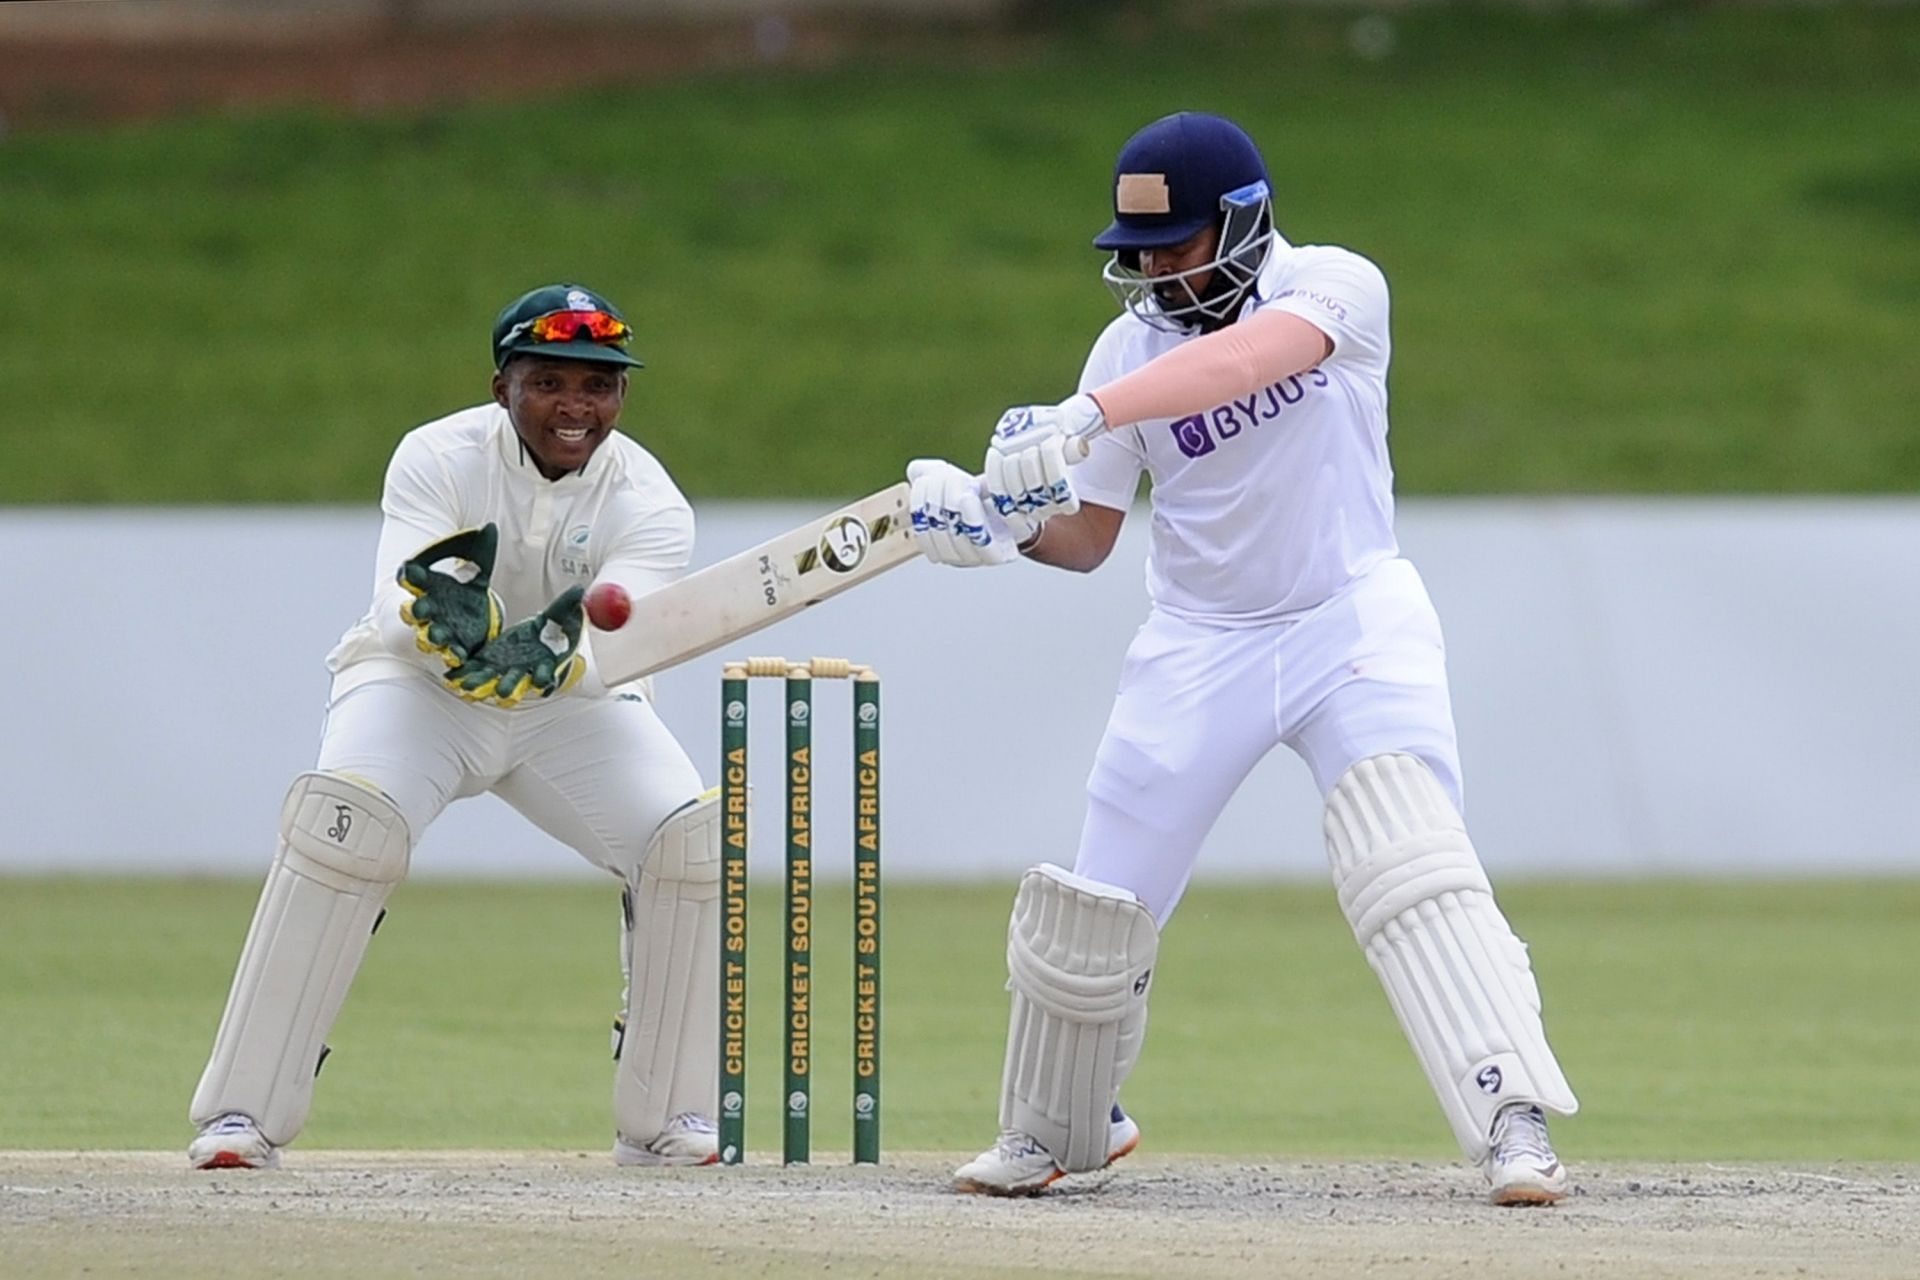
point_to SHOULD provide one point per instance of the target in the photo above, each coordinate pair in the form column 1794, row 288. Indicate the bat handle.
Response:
column 1078, row 448
column 1080, row 444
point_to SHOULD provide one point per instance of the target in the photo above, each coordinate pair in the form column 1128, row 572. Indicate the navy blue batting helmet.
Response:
column 1171, row 177
column 1174, row 179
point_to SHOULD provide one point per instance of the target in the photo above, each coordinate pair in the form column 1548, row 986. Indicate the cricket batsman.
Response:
column 468, row 674
column 1248, row 377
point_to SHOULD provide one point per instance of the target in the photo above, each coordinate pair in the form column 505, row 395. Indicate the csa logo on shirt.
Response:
column 575, row 548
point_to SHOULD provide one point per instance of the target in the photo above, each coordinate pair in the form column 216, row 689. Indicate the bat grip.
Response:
column 1078, row 448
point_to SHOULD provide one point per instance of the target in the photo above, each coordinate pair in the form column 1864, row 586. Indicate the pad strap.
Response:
column 1458, row 979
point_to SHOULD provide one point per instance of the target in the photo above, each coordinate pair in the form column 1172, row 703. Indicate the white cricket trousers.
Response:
column 1198, row 706
column 597, row 774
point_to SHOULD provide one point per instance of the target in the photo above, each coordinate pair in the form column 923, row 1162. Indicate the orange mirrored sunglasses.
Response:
column 566, row 326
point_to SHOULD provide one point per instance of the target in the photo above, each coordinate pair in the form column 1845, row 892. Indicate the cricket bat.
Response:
column 762, row 585
column 758, row 587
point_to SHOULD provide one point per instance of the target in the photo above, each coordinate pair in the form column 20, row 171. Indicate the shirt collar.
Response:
column 1266, row 284
column 513, row 452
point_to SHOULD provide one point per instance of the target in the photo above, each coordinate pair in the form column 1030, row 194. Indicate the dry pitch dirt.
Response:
column 571, row 1214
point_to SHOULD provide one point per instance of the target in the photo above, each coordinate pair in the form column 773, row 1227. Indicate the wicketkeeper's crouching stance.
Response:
column 505, row 510
column 1248, row 378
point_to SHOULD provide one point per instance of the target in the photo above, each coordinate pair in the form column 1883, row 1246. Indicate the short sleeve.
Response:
column 649, row 541
column 1110, row 476
column 648, row 535
column 1345, row 296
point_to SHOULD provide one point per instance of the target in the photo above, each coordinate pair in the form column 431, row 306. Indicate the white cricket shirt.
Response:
column 1266, row 505
column 619, row 518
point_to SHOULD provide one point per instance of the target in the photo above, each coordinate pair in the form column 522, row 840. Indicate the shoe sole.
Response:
column 1525, row 1197
column 651, row 1161
column 974, row 1187
column 229, row 1160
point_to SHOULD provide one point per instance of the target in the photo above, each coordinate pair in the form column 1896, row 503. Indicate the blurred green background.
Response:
column 1667, row 250
column 1699, row 1021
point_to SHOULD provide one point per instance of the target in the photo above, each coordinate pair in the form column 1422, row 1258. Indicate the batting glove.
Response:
column 1027, row 460
column 952, row 525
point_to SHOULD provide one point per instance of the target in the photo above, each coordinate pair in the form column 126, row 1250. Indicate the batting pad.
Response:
column 1458, row 979
column 343, row 847
column 670, row 1049
column 1079, row 960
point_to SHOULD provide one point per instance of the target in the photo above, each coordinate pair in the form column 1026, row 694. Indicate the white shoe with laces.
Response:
column 1521, row 1166
column 233, row 1141
column 689, row 1139
column 1017, row 1165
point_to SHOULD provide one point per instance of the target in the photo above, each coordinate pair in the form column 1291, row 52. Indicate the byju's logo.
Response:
column 1191, row 435
column 1489, row 1080
column 1199, row 434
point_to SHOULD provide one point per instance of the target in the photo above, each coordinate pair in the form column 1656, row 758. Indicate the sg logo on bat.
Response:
column 843, row 545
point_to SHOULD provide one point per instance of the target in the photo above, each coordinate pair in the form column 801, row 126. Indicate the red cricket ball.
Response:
column 609, row 606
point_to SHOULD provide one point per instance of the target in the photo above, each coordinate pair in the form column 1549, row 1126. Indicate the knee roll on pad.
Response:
column 1458, row 979
column 1080, row 959
column 669, row 1042
column 343, row 847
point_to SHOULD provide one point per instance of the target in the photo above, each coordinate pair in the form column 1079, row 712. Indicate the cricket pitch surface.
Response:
column 360, row 1213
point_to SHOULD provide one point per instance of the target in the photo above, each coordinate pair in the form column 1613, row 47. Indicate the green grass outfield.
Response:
column 1660, row 251
column 1697, row 1020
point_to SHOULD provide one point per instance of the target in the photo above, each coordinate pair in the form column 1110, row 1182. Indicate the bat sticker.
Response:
column 843, row 545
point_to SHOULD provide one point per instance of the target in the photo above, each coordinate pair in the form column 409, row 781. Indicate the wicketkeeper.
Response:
column 1248, row 377
column 468, row 674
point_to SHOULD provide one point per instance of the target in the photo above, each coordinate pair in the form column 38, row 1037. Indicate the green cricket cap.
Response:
column 564, row 322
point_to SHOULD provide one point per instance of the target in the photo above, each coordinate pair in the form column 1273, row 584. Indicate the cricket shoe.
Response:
column 233, row 1141
column 689, row 1138
column 1520, row 1164
column 1017, row 1165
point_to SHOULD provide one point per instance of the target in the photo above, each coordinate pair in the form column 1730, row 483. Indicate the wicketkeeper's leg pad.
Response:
column 1422, row 910
column 343, row 847
column 669, row 1043
column 1080, row 958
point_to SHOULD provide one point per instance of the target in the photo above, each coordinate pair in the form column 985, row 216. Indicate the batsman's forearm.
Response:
column 1080, row 542
column 1235, row 361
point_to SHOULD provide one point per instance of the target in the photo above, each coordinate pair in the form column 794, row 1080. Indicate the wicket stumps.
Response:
column 798, row 1004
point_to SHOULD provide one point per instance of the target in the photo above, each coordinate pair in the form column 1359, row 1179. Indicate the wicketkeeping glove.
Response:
column 540, row 655
column 454, row 613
